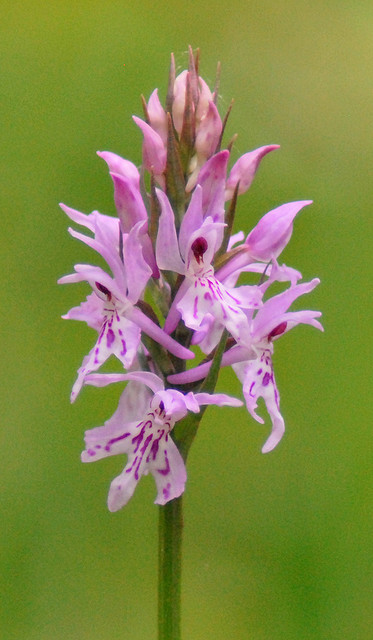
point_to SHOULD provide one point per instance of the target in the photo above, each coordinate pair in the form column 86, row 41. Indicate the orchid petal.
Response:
column 121, row 166
column 192, row 219
column 118, row 336
column 212, row 180
column 135, row 264
column 244, row 170
column 89, row 311
column 273, row 231
column 167, row 247
column 128, row 202
column 268, row 316
column 178, row 104
column 169, row 472
column 157, row 334
column 110, row 257
column 154, row 152
column 157, row 116
column 220, row 399
column 208, row 132
column 258, row 381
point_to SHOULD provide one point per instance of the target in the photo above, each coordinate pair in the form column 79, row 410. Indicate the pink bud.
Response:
column 120, row 166
column 205, row 97
column 208, row 132
column 179, row 100
column 273, row 231
column 153, row 150
column 245, row 169
column 157, row 116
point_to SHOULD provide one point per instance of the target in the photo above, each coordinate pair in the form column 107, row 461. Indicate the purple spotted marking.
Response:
column 233, row 309
column 199, row 247
column 91, row 452
column 251, row 388
column 97, row 350
column 259, row 372
column 166, row 491
column 110, row 338
column 142, row 451
column 266, row 379
column 214, row 290
column 124, row 348
column 277, row 331
column 233, row 298
column 129, row 469
column 277, row 399
column 114, row 440
column 140, row 436
column 155, row 447
column 166, row 471
column 207, row 296
column 195, row 308
column 103, row 289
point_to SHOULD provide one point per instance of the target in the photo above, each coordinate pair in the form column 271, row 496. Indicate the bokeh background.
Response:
column 277, row 547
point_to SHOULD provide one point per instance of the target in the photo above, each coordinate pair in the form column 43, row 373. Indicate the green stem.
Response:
column 169, row 579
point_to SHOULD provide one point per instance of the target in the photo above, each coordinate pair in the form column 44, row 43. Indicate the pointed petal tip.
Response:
column 64, row 207
column 271, row 443
column 267, row 449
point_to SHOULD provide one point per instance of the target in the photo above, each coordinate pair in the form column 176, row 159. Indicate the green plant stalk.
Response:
column 171, row 521
column 169, row 575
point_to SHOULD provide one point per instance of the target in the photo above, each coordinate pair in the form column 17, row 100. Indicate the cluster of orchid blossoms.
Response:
column 171, row 285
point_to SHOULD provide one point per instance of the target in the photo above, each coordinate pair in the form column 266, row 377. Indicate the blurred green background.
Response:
column 277, row 547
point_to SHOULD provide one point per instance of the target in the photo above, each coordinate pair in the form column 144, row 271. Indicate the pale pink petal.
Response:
column 118, row 336
column 244, row 170
column 208, row 133
column 155, row 332
column 168, row 470
column 128, row 202
column 157, row 116
column 89, row 311
column 219, row 399
column 135, row 264
column 167, row 246
column 154, row 151
column 121, row 166
column 178, row 104
column 268, row 317
column 273, row 231
column 258, row 381
column 212, row 180
column 191, row 221
column 122, row 489
column 204, row 98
